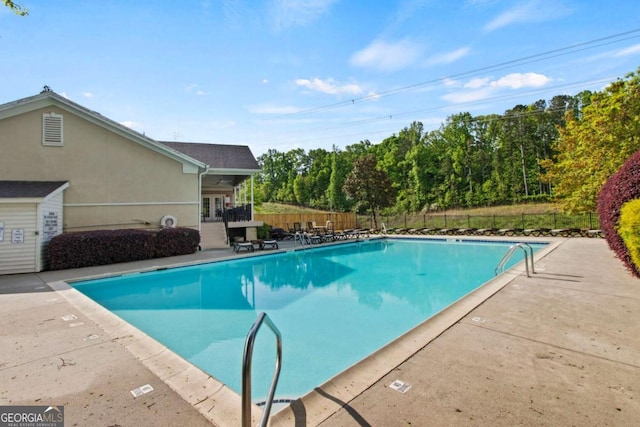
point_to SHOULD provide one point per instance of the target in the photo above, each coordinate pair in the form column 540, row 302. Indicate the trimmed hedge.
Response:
column 620, row 188
column 176, row 241
column 102, row 247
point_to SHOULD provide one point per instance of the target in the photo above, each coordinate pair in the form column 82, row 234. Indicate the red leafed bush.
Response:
column 176, row 241
column 102, row 247
column 620, row 188
column 99, row 247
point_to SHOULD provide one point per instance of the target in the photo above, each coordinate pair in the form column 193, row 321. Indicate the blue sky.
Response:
column 283, row 74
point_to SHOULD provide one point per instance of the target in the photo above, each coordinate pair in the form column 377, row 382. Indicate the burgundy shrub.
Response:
column 176, row 241
column 621, row 187
column 99, row 247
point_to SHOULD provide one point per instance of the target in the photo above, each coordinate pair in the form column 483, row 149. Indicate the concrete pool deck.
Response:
column 559, row 348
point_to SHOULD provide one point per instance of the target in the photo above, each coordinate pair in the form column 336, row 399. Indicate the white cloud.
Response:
column 528, row 11
column 476, row 83
column 449, row 82
column 387, row 56
column 133, row 125
column 272, row 109
column 87, row 94
column 329, row 86
column 290, row 13
column 468, row 96
column 373, row 96
column 483, row 88
column 518, row 80
column 631, row 50
column 193, row 88
column 448, row 57
column 265, row 81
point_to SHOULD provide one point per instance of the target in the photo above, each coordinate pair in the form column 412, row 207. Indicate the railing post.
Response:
column 246, row 371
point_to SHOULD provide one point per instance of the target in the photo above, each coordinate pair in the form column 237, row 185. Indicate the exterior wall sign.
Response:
column 50, row 226
column 17, row 235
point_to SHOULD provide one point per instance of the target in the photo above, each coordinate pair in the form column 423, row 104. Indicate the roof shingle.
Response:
column 217, row 156
column 19, row 189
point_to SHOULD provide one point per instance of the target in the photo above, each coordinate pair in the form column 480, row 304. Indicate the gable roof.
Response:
column 218, row 156
column 30, row 189
column 48, row 98
column 193, row 156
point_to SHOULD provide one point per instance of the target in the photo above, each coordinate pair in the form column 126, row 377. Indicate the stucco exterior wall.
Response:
column 114, row 182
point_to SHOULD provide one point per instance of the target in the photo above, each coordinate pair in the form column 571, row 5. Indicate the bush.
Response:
column 264, row 231
column 176, row 241
column 102, row 247
column 629, row 229
column 620, row 188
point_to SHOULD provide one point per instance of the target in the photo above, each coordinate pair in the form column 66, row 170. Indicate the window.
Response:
column 52, row 129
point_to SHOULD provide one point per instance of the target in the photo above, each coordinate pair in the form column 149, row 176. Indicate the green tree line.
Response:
column 564, row 147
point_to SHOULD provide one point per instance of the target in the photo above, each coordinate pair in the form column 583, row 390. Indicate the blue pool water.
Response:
column 334, row 305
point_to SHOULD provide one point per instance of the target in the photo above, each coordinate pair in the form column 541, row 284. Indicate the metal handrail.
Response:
column 302, row 237
column 510, row 251
column 246, row 370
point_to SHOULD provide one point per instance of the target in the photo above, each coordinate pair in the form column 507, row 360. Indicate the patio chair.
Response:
column 243, row 245
column 273, row 244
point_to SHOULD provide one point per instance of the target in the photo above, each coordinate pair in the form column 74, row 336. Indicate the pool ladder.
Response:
column 246, row 370
column 303, row 238
column 512, row 249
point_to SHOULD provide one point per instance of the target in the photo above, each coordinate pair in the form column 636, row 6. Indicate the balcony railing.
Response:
column 230, row 214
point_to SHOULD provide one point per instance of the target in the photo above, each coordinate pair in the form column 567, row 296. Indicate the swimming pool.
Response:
column 334, row 305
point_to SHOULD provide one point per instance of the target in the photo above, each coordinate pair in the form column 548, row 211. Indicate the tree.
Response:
column 369, row 186
column 16, row 8
column 595, row 145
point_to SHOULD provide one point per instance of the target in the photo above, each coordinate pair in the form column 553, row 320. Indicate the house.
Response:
column 107, row 176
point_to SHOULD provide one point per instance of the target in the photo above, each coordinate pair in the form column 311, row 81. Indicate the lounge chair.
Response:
column 269, row 243
column 277, row 233
column 449, row 231
column 428, row 231
column 243, row 245
column 314, row 238
column 486, row 231
column 593, row 233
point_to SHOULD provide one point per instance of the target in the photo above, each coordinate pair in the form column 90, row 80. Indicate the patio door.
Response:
column 218, row 205
column 206, row 208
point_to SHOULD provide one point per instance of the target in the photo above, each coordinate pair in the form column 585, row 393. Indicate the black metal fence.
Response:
column 588, row 221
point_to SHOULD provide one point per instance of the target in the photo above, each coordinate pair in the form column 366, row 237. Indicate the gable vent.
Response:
column 52, row 129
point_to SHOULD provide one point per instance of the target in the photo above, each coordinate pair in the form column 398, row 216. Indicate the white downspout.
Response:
column 199, row 221
column 38, row 248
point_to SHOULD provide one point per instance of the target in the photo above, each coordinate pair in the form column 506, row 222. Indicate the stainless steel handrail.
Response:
column 302, row 237
column 510, row 251
column 246, row 370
